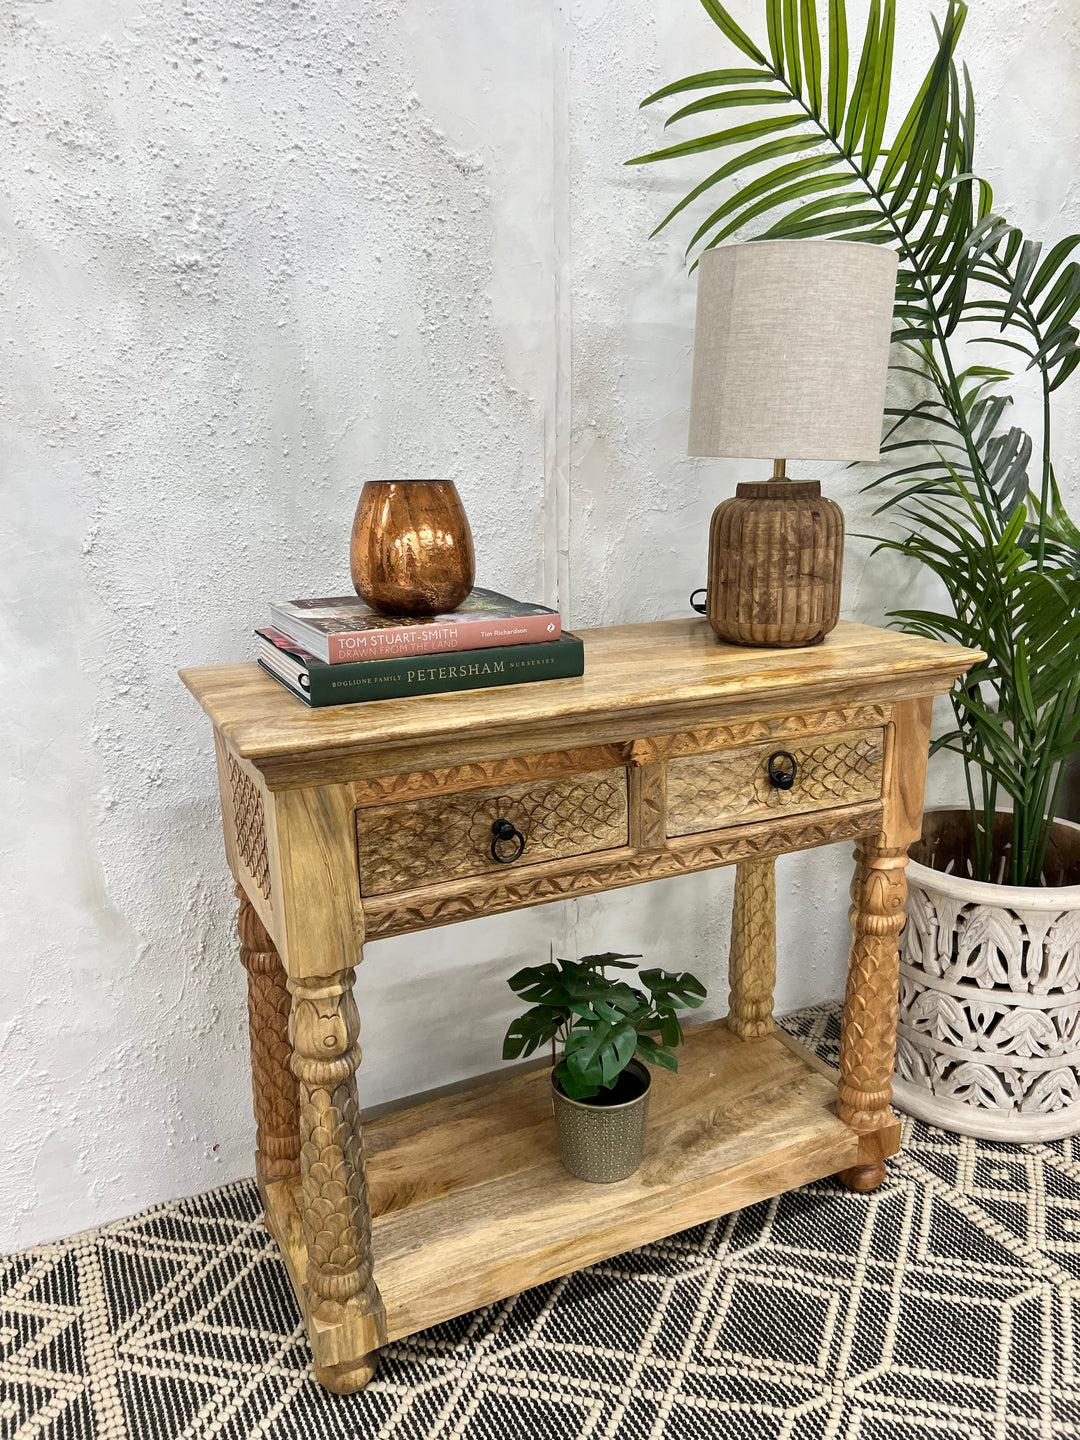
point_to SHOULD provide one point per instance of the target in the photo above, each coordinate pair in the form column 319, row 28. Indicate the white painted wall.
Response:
column 252, row 255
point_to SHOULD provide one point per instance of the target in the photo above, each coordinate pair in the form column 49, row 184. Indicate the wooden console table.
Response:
column 374, row 820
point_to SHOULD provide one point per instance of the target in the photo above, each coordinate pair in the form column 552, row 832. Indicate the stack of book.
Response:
column 339, row 651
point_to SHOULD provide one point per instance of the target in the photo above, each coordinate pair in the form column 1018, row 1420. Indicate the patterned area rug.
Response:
column 947, row 1304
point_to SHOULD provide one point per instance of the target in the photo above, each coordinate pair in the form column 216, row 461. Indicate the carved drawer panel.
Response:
column 707, row 792
column 448, row 837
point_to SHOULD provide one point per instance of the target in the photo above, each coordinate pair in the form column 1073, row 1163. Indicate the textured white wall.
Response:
column 253, row 254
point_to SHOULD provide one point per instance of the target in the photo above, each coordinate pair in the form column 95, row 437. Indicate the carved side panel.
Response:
column 446, row 837
column 708, row 792
column 250, row 826
column 274, row 1088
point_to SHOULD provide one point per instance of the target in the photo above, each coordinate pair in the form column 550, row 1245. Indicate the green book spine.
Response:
column 560, row 659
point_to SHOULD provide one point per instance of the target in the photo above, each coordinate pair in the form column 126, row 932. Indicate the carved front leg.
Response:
column 752, row 958
column 274, row 1089
column 345, row 1310
column 868, row 1040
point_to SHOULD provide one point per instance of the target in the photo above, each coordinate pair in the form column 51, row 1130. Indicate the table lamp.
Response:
column 791, row 353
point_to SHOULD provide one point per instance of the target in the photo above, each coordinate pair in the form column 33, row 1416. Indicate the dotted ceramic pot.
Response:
column 603, row 1143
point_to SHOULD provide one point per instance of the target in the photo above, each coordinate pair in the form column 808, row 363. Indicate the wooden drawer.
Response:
column 732, row 787
column 448, row 837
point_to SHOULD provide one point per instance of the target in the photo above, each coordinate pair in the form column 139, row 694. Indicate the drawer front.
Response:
column 449, row 837
column 732, row 787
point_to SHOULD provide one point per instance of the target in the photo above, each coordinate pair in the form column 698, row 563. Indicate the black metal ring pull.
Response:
column 696, row 604
column 502, row 832
column 782, row 779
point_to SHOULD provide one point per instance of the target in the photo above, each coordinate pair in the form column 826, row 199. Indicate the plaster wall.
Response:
column 251, row 255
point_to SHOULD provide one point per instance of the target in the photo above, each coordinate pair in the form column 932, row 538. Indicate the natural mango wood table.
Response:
column 371, row 820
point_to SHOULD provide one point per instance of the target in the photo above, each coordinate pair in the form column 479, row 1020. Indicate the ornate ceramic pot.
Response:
column 603, row 1141
column 988, row 1042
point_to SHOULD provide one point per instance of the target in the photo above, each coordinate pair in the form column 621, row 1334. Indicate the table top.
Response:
column 628, row 669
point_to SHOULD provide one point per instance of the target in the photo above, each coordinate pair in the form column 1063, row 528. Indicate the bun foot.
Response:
column 862, row 1177
column 348, row 1377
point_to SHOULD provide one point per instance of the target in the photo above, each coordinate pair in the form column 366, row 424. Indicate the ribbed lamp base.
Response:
column 776, row 558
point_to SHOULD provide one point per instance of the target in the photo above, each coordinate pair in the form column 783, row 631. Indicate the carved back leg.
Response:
column 752, row 958
column 275, row 1092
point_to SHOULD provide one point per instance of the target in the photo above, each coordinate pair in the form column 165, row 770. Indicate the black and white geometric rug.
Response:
column 945, row 1306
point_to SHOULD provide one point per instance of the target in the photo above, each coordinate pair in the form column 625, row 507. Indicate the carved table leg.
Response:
column 344, row 1309
column 752, row 958
column 274, row 1088
column 868, row 1040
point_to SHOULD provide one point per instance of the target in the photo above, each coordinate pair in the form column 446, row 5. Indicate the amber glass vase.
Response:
column 412, row 549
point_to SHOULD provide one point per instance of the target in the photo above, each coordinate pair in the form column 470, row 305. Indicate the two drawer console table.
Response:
column 673, row 753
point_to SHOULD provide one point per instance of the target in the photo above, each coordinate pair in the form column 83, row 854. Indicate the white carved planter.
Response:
column 988, row 1042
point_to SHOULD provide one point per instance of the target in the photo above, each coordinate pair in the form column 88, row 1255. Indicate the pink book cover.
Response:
column 344, row 629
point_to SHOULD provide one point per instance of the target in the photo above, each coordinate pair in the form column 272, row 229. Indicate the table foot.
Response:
column 862, row 1178
column 348, row 1377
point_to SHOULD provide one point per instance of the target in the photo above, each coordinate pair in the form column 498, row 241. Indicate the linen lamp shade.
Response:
column 791, row 355
column 791, row 350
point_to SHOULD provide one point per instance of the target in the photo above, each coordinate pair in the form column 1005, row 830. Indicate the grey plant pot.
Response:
column 602, row 1143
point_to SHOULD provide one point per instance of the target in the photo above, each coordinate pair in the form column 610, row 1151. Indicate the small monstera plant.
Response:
column 821, row 157
column 601, row 1023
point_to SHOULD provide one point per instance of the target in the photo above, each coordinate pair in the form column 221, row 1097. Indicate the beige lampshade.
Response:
column 791, row 350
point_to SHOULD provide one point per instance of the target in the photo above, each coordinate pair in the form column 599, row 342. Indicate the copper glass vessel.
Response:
column 412, row 549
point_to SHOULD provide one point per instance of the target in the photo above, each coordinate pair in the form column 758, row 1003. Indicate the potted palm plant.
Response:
column 989, row 1039
column 610, row 1033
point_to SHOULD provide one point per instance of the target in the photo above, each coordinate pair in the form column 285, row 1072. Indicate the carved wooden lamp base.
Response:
column 776, row 558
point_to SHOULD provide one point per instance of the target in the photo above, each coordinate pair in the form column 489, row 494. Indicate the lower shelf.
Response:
column 470, row 1203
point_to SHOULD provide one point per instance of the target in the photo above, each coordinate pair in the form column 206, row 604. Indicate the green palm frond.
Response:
column 830, row 162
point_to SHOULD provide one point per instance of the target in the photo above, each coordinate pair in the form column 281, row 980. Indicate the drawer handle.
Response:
column 501, row 832
column 782, row 779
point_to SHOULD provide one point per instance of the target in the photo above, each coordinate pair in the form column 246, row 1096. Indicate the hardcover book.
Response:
column 317, row 683
column 343, row 629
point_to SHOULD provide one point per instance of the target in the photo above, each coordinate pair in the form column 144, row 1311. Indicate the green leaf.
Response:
column 682, row 990
column 800, row 226
column 737, row 135
column 1061, row 251
column 771, row 184
column 706, row 81
column 811, row 49
column 878, row 103
column 933, row 87
column 654, row 1054
column 775, row 22
column 771, row 150
column 838, row 64
column 720, row 18
column 604, row 1047
column 791, row 45
column 772, row 201
column 543, row 984
column 538, row 1026
column 1025, row 269
column 865, row 79
column 729, row 99
column 1061, row 297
